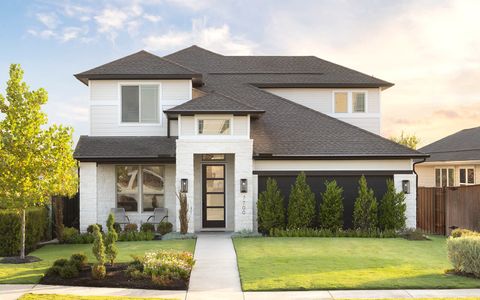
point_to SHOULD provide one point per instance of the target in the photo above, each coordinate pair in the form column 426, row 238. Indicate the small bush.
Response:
column 98, row 271
column 270, row 208
column 168, row 265
column 325, row 233
column 131, row 227
column 61, row 262
column 111, row 250
column 301, row 204
column 81, row 238
column 68, row 271
column 90, row 228
column 392, row 208
column 365, row 207
column 68, row 234
column 459, row 232
column 68, row 268
column 135, row 236
column 98, row 248
column 331, row 208
column 117, row 227
column 178, row 236
column 164, row 228
column 464, row 254
column 147, row 227
column 414, row 234
column 80, row 260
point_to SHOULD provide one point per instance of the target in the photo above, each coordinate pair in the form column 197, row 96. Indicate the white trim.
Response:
column 453, row 162
column 218, row 162
column 449, row 184
column 159, row 106
column 466, row 175
column 197, row 118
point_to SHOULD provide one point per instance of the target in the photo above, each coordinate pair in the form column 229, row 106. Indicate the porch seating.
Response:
column 159, row 215
column 120, row 216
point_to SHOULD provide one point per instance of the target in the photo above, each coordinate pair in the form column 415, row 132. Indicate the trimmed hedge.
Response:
column 10, row 230
column 464, row 254
column 310, row 232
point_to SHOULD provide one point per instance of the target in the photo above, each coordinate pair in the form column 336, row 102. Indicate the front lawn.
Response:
column 345, row 263
column 33, row 272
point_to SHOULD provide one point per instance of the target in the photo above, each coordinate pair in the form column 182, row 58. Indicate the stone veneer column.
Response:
column 244, row 201
column 88, row 194
column 184, row 169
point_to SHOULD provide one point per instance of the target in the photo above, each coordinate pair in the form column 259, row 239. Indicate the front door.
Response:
column 213, row 182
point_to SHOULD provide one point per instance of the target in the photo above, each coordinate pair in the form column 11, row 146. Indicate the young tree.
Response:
column 331, row 209
column 408, row 140
column 98, row 250
column 301, row 204
column 35, row 162
column 111, row 250
column 271, row 212
column 392, row 208
column 365, row 208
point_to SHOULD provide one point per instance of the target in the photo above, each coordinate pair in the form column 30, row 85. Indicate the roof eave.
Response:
column 213, row 112
column 384, row 86
column 337, row 157
column 197, row 78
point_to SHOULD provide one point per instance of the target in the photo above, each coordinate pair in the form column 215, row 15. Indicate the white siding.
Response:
column 176, row 90
column 103, row 90
column 426, row 171
column 321, row 100
column 187, row 125
column 240, row 125
column 173, row 127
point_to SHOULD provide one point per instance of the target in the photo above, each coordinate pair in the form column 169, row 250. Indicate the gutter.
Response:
column 416, row 187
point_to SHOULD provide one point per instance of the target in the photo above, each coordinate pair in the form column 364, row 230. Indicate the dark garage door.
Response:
column 349, row 183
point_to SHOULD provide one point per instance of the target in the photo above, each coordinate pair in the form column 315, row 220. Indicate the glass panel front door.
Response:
column 213, row 182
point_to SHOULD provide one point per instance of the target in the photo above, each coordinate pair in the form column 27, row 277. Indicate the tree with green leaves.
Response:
column 301, row 204
column 365, row 208
column 98, row 250
column 111, row 250
column 36, row 161
column 331, row 208
column 270, row 208
column 409, row 140
column 392, row 208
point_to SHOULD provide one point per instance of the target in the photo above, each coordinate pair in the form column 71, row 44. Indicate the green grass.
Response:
column 73, row 297
column 345, row 263
column 33, row 272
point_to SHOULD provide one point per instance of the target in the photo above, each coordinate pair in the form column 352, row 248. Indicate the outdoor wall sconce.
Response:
column 406, row 186
column 243, row 185
column 184, row 185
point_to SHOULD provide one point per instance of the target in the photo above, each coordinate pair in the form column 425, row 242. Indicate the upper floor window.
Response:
column 444, row 177
column 140, row 104
column 348, row 102
column 214, row 126
column 467, row 176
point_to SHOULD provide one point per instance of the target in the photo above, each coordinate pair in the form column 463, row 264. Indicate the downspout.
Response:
column 416, row 187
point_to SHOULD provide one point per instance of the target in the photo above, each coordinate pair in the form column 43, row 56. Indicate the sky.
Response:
column 430, row 49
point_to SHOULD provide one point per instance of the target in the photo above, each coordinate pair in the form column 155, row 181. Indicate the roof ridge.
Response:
column 233, row 99
column 179, row 65
column 460, row 150
column 194, row 47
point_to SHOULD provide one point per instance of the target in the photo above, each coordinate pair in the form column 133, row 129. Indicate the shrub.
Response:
column 365, row 208
column 61, row 262
column 80, row 260
column 117, row 227
column 81, row 238
column 178, row 236
column 10, row 223
column 331, row 208
column 164, row 228
column 414, row 234
column 464, row 254
column 111, row 250
column 459, row 232
column 98, row 271
column 147, row 227
column 68, row 234
column 167, row 265
column 131, row 227
column 98, row 248
column 136, row 236
column 90, row 228
column 246, row 234
column 310, row 232
column 70, row 270
column 301, row 204
column 270, row 208
column 392, row 208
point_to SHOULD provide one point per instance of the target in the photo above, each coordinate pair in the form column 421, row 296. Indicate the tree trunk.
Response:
column 22, row 250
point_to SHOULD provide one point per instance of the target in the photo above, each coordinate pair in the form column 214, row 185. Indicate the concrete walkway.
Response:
column 215, row 274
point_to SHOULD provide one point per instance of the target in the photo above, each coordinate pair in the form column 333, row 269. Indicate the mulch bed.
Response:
column 18, row 260
column 116, row 277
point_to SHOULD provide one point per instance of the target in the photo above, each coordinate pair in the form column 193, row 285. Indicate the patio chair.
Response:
column 120, row 216
column 159, row 215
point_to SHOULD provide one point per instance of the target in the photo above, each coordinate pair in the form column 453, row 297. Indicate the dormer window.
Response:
column 140, row 104
column 214, row 126
column 349, row 102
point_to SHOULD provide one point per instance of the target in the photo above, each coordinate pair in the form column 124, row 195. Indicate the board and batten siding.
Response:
column 321, row 99
column 105, row 106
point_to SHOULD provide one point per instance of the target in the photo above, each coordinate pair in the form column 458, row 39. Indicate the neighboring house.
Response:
column 454, row 160
column 220, row 126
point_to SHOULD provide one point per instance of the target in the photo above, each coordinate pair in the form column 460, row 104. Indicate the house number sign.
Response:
column 244, row 203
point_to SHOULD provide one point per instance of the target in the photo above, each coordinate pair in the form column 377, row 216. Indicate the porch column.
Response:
column 244, row 201
column 410, row 198
column 184, row 170
column 88, row 194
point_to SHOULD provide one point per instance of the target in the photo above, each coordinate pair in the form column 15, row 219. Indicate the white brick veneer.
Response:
column 242, row 150
column 410, row 199
column 88, row 194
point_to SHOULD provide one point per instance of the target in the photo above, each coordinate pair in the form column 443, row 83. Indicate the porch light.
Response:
column 243, row 185
column 406, row 186
column 184, row 185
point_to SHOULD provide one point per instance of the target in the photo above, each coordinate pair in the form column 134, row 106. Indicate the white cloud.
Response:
column 44, row 34
column 49, row 20
column 152, row 18
column 71, row 33
column 110, row 19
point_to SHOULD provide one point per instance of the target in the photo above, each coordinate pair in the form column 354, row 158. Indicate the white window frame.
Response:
column 350, row 101
column 197, row 118
column 140, row 186
column 159, row 106
column 448, row 178
column 466, row 168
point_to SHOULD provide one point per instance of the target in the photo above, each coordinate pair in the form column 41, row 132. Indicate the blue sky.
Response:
column 429, row 49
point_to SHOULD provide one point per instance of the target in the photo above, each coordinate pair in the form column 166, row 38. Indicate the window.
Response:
column 444, row 177
column 213, row 157
column 467, row 176
column 358, row 102
column 214, row 126
column 140, row 104
column 341, row 102
column 150, row 193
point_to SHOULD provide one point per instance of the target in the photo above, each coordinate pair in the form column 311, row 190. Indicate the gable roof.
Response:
column 140, row 65
column 213, row 103
column 461, row 146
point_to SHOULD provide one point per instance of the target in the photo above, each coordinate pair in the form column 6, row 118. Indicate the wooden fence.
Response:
column 441, row 209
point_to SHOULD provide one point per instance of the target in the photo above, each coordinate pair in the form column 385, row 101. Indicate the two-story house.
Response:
column 218, row 126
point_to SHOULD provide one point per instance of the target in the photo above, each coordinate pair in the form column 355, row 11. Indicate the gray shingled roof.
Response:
column 213, row 103
column 124, row 147
column 140, row 65
column 461, row 146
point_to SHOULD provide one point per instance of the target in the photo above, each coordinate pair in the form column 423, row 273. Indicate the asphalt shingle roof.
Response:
column 461, row 146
